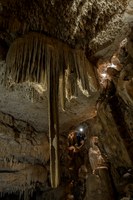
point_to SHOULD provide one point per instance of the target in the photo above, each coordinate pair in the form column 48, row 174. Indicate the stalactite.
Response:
column 20, row 70
column 93, row 82
column 38, row 63
column 42, row 61
column 61, row 63
column 30, row 49
column 26, row 61
column 35, row 57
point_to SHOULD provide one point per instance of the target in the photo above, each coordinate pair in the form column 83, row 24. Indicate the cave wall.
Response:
column 96, row 28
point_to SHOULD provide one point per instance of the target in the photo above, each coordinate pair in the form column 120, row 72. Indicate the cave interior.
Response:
column 66, row 100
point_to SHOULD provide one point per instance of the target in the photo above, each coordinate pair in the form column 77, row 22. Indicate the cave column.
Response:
column 53, row 85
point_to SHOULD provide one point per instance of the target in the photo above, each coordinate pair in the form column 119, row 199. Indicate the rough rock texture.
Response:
column 40, row 36
column 24, row 154
column 89, row 24
column 128, row 15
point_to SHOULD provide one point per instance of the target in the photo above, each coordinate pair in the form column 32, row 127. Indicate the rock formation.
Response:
column 66, row 65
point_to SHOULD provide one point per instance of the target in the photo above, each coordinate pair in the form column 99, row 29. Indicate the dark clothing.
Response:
column 76, row 140
column 80, row 137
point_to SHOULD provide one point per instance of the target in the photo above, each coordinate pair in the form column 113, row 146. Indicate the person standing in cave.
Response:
column 75, row 144
column 80, row 139
column 75, row 141
column 71, row 143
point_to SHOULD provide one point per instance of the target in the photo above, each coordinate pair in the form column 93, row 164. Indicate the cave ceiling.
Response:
column 91, row 25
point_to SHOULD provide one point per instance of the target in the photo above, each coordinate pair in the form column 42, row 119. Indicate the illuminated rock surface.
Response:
column 85, row 49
